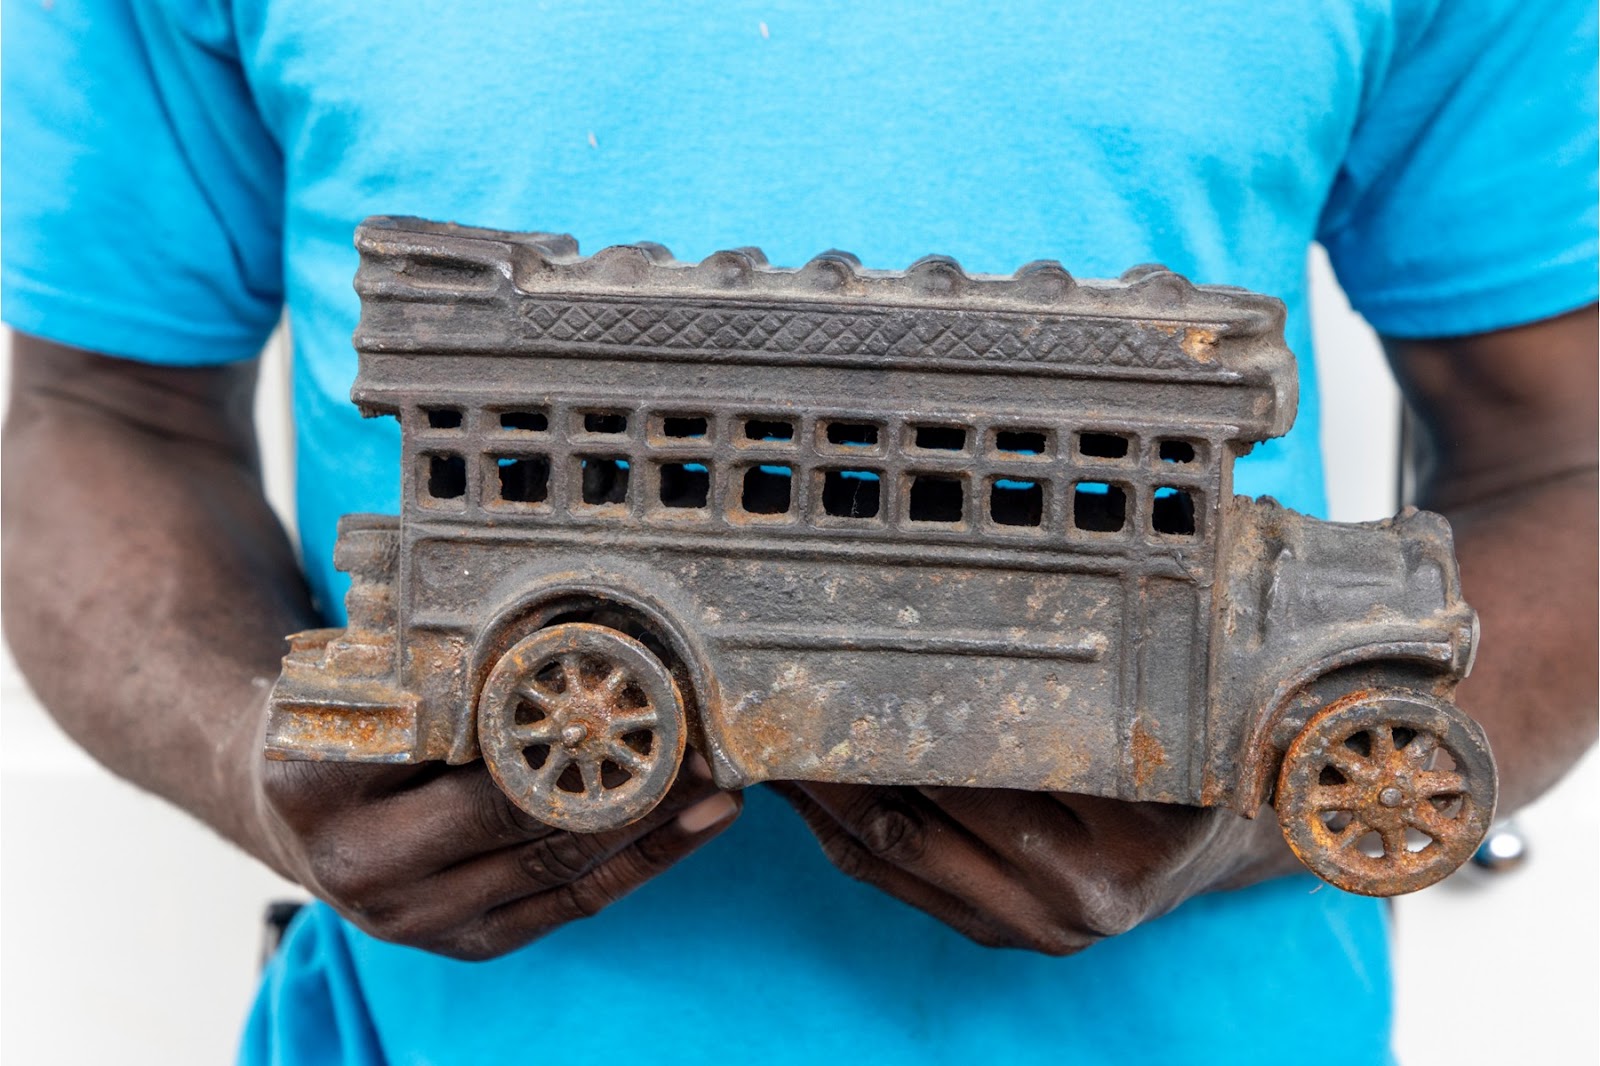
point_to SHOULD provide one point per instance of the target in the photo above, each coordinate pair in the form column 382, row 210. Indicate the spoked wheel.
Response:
column 582, row 727
column 1384, row 793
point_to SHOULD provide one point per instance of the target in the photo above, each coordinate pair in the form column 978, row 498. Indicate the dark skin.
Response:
column 175, row 567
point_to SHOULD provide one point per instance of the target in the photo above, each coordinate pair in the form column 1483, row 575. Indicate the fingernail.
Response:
column 699, row 767
column 707, row 813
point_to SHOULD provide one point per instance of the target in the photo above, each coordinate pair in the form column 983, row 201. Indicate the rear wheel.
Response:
column 1386, row 792
column 582, row 727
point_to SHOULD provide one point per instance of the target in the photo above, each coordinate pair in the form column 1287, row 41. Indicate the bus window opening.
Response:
column 768, row 431
column 941, row 438
column 1177, row 451
column 1102, row 445
column 851, row 493
column 935, row 499
column 686, row 485
column 1098, row 507
column 447, row 476
column 524, row 421
column 683, row 426
column 1016, row 503
column 605, row 422
column 768, row 489
column 443, row 417
column 1021, row 441
column 852, row 434
column 524, row 479
column 605, row 480
column 1173, row 512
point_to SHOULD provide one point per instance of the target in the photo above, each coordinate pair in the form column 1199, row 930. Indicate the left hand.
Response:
column 1045, row 871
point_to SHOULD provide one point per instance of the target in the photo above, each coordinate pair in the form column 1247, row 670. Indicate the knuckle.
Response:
column 500, row 819
column 557, row 859
column 1057, row 943
column 584, row 899
column 476, row 945
column 894, row 834
column 398, row 926
column 341, row 877
column 1106, row 911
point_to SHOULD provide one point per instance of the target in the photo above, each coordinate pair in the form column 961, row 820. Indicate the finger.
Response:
column 908, row 849
column 555, row 859
column 1033, row 832
column 522, row 920
column 1149, row 840
column 897, row 827
column 463, row 814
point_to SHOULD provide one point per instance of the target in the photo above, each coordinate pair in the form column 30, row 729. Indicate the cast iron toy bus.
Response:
column 837, row 524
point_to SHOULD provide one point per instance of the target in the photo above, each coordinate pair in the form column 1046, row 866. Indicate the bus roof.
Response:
column 440, row 289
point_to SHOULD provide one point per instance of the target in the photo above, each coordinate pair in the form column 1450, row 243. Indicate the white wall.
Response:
column 128, row 933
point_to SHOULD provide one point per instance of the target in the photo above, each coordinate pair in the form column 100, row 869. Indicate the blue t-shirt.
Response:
column 177, row 173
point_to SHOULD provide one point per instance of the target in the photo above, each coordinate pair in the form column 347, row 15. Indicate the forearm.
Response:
column 1528, row 566
column 147, row 584
column 1510, row 416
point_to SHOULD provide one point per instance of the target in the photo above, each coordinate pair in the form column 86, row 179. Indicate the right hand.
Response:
column 436, row 857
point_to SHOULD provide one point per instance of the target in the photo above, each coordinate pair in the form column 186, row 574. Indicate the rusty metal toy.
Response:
column 849, row 525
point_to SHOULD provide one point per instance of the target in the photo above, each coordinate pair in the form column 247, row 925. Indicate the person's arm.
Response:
column 1512, row 421
column 148, row 589
column 1512, row 414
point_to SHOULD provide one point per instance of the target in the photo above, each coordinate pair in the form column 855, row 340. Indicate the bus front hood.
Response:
column 1322, row 587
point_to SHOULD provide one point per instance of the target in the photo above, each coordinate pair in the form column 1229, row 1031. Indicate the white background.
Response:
column 128, row 934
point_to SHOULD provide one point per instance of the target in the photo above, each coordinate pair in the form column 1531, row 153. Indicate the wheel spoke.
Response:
column 1394, row 839
column 1425, row 819
column 622, row 725
column 1351, row 833
column 544, row 779
column 614, row 681
column 1337, row 797
column 569, row 672
column 1349, row 763
column 589, row 769
column 542, row 698
column 1382, row 738
column 1432, row 783
column 544, row 731
column 627, row 758
column 1421, row 748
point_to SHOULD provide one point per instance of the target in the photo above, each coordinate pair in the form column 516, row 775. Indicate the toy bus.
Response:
column 905, row 528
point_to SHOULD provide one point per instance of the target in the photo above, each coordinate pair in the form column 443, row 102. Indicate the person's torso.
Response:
column 1201, row 135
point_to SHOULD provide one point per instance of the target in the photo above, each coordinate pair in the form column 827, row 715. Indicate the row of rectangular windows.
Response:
column 766, row 491
column 860, row 436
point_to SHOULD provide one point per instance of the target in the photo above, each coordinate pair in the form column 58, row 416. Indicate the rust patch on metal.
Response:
column 1148, row 754
column 1200, row 343
column 983, row 536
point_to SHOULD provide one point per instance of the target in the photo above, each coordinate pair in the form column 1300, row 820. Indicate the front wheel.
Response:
column 1386, row 792
column 582, row 727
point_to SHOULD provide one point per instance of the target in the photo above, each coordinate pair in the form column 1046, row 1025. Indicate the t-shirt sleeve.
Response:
column 1467, row 198
column 142, row 199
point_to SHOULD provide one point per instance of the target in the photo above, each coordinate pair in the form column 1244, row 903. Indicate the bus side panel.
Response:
column 919, row 674
column 894, row 672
